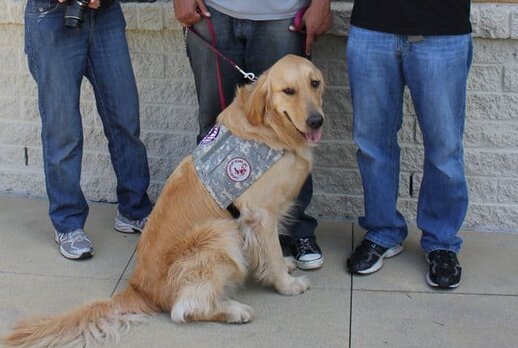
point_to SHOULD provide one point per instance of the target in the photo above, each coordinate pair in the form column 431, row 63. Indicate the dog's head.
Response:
column 288, row 98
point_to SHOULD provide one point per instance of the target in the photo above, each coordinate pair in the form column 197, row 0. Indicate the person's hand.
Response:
column 95, row 4
column 315, row 22
column 188, row 12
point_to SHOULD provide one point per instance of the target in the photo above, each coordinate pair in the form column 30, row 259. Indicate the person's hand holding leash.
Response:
column 315, row 22
column 190, row 12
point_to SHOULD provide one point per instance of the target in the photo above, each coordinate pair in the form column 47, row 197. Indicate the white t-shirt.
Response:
column 258, row 10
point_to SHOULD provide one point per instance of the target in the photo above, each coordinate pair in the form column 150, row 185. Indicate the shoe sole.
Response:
column 307, row 265
column 123, row 227
column 83, row 256
column 391, row 252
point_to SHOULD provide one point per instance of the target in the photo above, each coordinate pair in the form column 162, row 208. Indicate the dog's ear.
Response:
column 258, row 102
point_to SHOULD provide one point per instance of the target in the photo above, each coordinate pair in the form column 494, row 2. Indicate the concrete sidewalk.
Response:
column 392, row 308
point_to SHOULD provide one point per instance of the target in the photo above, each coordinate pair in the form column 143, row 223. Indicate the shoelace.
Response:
column 75, row 236
column 444, row 259
column 306, row 244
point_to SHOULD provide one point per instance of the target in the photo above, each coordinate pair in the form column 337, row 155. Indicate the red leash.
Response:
column 212, row 46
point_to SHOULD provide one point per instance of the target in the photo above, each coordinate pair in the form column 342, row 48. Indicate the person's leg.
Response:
column 436, row 70
column 377, row 85
column 377, row 94
column 204, row 64
column 57, row 59
column 111, row 74
column 266, row 43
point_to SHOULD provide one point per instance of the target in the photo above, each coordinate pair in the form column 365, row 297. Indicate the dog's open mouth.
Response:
column 314, row 136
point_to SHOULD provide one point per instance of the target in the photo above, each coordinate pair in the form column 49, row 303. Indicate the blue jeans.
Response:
column 255, row 46
column 435, row 70
column 58, row 59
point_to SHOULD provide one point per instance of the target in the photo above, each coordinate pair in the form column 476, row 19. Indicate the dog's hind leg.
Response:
column 202, row 302
column 204, row 277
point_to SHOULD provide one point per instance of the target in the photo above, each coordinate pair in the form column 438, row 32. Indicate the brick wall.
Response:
column 168, row 115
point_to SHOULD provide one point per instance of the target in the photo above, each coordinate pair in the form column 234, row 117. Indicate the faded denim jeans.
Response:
column 435, row 69
column 59, row 58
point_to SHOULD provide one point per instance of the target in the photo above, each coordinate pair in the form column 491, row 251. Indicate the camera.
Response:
column 75, row 13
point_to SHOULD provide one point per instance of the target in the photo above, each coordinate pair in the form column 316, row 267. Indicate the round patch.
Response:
column 238, row 169
column 211, row 136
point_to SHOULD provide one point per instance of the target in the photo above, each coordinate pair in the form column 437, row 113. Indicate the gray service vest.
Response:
column 228, row 165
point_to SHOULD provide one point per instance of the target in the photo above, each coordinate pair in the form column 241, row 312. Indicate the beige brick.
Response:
column 338, row 126
column 491, row 134
column 333, row 180
column 511, row 78
column 150, row 17
column 491, row 21
column 167, row 118
column 336, row 206
column 488, row 51
column 491, row 163
column 19, row 133
column 9, row 108
column 335, row 154
column 507, row 191
column 485, row 78
column 148, row 65
column 337, row 100
column 492, row 106
column 167, row 91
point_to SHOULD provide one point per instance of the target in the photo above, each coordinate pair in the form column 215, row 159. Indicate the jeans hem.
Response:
column 380, row 242
column 432, row 249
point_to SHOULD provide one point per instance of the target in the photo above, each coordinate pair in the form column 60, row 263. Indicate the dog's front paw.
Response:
column 294, row 286
column 290, row 263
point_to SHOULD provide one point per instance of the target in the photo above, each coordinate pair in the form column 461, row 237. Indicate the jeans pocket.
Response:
column 42, row 7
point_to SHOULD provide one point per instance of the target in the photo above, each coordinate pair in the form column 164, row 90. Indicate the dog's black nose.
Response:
column 315, row 121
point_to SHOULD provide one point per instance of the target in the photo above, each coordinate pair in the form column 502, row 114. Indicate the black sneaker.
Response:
column 368, row 257
column 307, row 253
column 444, row 269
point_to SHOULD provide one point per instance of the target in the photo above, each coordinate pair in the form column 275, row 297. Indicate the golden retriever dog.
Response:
column 192, row 252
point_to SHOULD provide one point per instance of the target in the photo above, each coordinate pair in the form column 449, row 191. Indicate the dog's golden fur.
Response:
column 192, row 251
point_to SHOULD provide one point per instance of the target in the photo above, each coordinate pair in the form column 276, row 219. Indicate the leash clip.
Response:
column 247, row 75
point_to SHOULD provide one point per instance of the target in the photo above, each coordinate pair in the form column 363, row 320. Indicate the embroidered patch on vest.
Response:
column 211, row 136
column 228, row 165
column 238, row 169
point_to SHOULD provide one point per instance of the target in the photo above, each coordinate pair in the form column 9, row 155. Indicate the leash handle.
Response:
column 297, row 20
column 298, row 25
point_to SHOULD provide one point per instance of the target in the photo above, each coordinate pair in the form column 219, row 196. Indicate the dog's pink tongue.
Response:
column 314, row 136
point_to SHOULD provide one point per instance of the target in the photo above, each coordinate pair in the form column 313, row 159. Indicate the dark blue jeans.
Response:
column 255, row 46
column 435, row 70
column 59, row 58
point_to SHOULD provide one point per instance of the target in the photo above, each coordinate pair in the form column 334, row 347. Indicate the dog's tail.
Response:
column 93, row 324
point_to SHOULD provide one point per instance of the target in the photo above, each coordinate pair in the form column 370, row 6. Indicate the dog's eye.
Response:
column 315, row 83
column 288, row 91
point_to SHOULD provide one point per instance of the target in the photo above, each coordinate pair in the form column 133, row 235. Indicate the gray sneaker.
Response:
column 125, row 225
column 74, row 245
